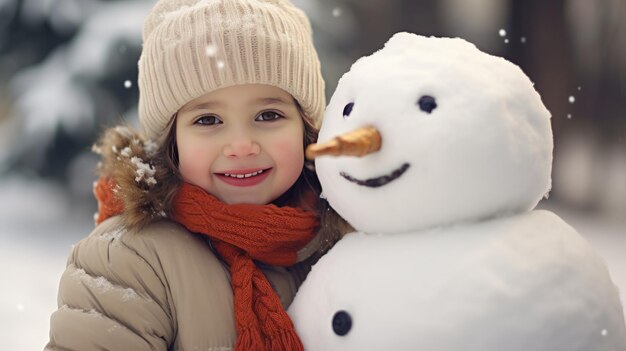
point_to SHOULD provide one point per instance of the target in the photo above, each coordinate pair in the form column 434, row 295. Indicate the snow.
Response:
column 90, row 53
column 60, row 92
column 125, row 151
column 63, row 15
column 102, row 285
column 606, row 234
column 38, row 226
column 211, row 50
column 114, row 235
column 49, row 97
column 144, row 171
column 29, row 276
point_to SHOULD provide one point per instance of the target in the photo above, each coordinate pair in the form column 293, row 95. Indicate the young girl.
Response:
column 209, row 220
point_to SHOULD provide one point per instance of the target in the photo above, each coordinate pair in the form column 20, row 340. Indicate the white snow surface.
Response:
column 38, row 226
column 485, row 150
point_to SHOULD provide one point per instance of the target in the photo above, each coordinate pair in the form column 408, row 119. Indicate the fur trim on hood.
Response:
column 144, row 182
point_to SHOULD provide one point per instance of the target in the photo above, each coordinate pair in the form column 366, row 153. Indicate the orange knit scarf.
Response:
column 241, row 233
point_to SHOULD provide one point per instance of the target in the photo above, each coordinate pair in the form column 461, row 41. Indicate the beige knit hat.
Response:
column 192, row 47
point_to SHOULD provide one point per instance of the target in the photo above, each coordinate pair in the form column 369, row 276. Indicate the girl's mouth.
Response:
column 244, row 177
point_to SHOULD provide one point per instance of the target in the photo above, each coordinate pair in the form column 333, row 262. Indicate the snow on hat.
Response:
column 192, row 47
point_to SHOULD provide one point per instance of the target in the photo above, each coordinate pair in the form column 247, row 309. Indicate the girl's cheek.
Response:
column 291, row 152
column 192, row 160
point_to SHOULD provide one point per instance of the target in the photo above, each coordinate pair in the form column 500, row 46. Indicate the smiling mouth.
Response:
column 244, row 178
column 378, row 181
column 241, row 175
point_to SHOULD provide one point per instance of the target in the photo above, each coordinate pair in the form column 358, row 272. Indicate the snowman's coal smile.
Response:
column 378, row 181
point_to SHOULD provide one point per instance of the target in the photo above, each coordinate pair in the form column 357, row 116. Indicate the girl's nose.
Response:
column 242, row 145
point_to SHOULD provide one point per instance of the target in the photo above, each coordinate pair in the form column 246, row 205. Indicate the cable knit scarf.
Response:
column 241, row 233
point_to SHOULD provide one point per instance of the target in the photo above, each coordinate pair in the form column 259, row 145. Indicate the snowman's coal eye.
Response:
column 348, row 109
column 427, row 103
column 342, row 323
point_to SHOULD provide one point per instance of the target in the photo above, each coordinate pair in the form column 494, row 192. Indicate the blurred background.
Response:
column 68, row 69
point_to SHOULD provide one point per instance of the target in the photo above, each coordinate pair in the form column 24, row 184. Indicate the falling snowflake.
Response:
column 211, row 50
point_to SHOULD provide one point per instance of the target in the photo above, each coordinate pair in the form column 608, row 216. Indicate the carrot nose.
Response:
column 359, row 142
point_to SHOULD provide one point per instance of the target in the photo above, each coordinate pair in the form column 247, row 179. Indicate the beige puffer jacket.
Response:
column 159, row 289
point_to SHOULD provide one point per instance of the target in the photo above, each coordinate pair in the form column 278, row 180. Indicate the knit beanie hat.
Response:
column 192, row 47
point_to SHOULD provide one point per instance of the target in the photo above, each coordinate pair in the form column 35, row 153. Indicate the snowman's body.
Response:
column 522, row 283
column 451, row 255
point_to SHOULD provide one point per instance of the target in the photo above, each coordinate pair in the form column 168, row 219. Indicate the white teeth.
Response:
column 240, row 176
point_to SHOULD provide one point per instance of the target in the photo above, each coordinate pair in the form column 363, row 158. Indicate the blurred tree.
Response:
column 571, row 51
column 545, row 54
column 605, row 91
column 71, row 67
column 378, row 21
column 551, row 59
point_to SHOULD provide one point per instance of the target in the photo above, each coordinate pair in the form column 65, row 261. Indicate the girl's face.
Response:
column 243, row 144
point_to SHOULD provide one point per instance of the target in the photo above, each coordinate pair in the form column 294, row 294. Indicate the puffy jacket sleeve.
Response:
column 113, row 295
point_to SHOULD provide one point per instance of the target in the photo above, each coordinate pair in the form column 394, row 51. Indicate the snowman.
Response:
column 437, row 154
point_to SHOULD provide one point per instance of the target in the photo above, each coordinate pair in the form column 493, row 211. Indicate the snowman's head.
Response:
column 464, row 134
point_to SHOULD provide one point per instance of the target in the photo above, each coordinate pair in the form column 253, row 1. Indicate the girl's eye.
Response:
column 268, row 116
column 208, row 121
